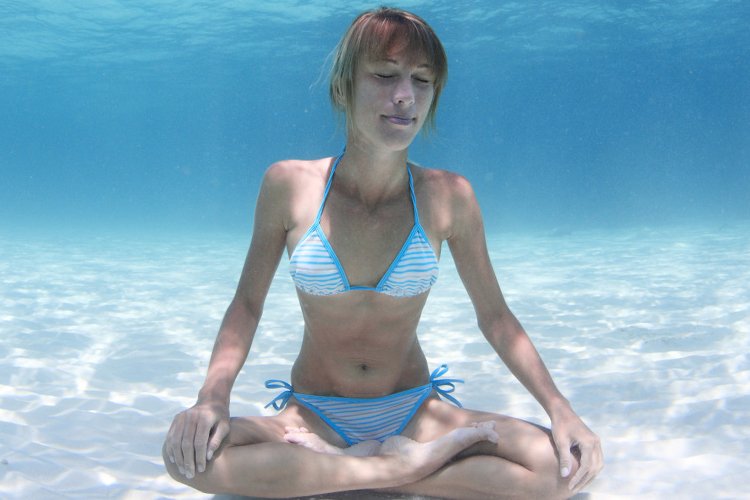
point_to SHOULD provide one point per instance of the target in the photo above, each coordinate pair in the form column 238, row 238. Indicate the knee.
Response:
column 171, row 467
column 552, row 485
column 542, row 460
column 201, row 481
column 549, row 479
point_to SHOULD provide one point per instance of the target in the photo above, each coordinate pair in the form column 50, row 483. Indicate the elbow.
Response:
column 248, row 308
column 242, row 317
column 499, row 325
column 484, row 325
column 490, row 329
column 490, row 322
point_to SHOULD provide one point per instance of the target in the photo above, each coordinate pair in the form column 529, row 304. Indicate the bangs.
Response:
column 375, row 35
column 390, row 34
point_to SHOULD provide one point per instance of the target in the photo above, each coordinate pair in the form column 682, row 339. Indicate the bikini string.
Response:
column 445, row 386
column 280, row 401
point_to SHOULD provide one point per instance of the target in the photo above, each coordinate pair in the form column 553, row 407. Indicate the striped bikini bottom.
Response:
column 364, row 419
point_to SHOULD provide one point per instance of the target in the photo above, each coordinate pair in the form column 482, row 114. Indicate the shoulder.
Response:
column 443, row 185
column 289, row 172
column 288, row 178
column 449, row 198
column 287, row 187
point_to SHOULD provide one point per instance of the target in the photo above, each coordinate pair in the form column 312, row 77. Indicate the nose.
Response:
column 403, row 93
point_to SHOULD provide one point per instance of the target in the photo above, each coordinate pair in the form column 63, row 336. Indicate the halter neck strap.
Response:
column 329, row 183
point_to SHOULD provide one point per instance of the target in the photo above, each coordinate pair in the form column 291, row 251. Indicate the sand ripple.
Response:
column 103, row 339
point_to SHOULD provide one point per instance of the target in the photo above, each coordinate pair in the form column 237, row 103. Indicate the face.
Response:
column 392, row 97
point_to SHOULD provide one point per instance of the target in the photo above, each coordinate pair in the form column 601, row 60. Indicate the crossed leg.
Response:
column 303, row 437
column 415, row 453
column 523, row 462
column 256, row 460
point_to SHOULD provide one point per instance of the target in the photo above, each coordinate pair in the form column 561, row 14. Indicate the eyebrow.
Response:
column 393, row 61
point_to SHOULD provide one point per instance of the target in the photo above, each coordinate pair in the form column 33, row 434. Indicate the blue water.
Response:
column 608, row 143
column 152, row 116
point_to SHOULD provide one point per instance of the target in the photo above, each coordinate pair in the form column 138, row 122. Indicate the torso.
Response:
column 362, row 343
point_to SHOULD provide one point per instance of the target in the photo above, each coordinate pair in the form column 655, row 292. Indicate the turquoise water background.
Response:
column 161, row 116
column 608, row 143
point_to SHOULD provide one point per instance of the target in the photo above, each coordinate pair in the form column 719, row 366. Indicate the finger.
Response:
column 174, row 440
column 187, row 444
column 576, row 485
column 583, row 475
column 585, row 482
column 200, row 444
column 579, row 476
column 168, row 450
column 566, row 458
column 596, row 465
column 221, row 431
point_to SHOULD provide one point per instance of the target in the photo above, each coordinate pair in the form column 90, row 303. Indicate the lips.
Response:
column 399, row 120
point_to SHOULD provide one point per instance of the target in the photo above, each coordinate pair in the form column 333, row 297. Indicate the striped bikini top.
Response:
column 316, row 269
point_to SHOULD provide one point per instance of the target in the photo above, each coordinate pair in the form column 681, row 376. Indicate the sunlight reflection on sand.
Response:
column 103, row 339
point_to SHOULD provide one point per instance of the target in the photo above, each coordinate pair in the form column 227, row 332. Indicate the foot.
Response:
column 303, row 437
column 418, row 460
column 310, row 440
column 364, row 449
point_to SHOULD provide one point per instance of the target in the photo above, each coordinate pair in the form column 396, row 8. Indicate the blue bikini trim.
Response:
column 364, row 419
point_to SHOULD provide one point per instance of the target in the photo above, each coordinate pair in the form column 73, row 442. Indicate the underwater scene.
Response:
column 608, row 143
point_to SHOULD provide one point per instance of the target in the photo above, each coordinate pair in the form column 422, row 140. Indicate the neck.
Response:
column 372, row 174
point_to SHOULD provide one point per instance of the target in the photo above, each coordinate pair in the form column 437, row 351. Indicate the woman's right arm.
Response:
column 197, row 432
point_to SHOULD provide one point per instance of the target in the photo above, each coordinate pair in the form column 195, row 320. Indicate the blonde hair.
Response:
column 371, row 35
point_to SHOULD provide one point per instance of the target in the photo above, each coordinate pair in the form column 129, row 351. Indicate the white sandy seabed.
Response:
column 104, row 338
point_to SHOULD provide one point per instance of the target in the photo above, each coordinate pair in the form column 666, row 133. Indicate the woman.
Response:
column 364, row 246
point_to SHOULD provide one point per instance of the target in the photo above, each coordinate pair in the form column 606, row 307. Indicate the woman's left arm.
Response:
column 504, row 332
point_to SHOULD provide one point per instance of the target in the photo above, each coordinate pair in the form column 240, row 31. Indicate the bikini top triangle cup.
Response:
column 316, row 269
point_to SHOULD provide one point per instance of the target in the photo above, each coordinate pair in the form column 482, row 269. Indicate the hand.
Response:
column 195, row 435
column 569, row 431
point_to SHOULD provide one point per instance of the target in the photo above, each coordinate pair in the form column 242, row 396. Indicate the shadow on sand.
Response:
column 365, row 495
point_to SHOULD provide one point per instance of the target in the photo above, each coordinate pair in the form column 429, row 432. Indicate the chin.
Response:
column 401, row 140
column 393, row 142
